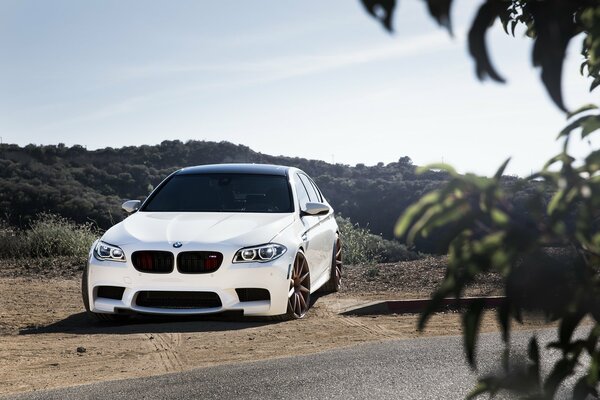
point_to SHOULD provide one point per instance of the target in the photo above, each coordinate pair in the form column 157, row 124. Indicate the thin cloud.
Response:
column 243, row 74
column 289, row 67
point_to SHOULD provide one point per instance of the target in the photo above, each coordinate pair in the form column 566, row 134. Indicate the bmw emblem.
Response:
column 177, row 245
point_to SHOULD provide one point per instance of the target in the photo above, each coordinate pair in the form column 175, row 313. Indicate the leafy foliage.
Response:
column 484, row 231
column 383, row 10
column 488, row 236
column 552, row 24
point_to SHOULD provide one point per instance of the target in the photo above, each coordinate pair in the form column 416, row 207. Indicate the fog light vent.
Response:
column 111, row 292
column 253, row 294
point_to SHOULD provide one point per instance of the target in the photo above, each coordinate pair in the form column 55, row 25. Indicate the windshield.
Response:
column 223, row 193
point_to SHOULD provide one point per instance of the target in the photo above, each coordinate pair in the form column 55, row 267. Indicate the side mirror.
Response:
column 315, row 209
column 131, row 206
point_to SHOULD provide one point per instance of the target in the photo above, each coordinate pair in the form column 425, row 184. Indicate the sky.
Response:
column 314, row 79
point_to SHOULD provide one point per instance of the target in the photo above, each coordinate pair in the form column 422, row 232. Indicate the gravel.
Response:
column 417, row 276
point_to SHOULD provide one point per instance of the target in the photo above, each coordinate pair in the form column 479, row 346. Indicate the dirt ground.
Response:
column 47, row 341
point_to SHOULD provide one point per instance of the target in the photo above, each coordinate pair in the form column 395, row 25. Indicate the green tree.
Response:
column 486, row 233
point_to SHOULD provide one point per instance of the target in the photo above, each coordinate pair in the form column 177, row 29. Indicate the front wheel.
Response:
column 334, row 284
column 299, row 291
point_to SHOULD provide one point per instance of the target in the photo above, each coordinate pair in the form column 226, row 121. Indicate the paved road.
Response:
column 427, row 368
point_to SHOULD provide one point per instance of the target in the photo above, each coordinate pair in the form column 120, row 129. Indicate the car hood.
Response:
column 167, row 227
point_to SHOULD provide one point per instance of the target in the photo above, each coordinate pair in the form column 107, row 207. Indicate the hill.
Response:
column 89, row 186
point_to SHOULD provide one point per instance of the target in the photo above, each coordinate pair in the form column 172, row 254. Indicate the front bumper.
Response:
column 272, row 276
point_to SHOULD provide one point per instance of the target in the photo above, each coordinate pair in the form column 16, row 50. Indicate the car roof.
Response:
column 259, row 169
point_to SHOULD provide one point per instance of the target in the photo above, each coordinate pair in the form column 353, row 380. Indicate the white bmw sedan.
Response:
column 248, row 237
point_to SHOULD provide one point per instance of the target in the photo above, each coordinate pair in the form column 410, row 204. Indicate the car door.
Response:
column 309, row 223
column 321, row 240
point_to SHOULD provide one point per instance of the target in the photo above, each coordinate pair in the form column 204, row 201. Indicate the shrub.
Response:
column 49, row 235
column 10, row 245
column 361, row 246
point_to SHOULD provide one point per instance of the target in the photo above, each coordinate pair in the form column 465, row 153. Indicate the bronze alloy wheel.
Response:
column 338, row 264
column 299, row 293
column 334, row 284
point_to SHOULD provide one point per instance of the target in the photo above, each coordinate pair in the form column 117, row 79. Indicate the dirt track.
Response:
column 42, row 324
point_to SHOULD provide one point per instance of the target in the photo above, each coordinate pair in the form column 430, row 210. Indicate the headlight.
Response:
column 264, row 253
column 108, row 252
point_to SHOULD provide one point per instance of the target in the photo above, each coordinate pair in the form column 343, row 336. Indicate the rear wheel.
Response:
column 299, row 291
column 334, row 284
column 86, row 302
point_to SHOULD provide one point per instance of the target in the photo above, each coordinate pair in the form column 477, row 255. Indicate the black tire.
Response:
column 86, row 303
column 299, row 299
column 334, row 284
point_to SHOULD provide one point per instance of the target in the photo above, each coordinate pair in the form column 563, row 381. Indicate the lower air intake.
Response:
column 178, row 300
column 253, row 294
column 110, row 292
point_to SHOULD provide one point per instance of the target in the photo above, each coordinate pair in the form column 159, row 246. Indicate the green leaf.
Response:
column 418, row 226
column 581, row 109
column 533, row 352
column 486, row 15
column 590, row 125
column 411, row 214
column 582, row 390
column 506, row 358
column 441, row 166
column 471, row 319
column 440, row 10
column 450, row 210
column 582, row 67
column 592, row 161
column 595, row 84
column 555, row 201
column 552, row 161
column 513, row 27
column 482, row 387
column 381, row 10
column 554, row 27
column 592, row 339
column 593, row 372
column 567, row 327
column 500, row 170
column 447, row 287
column 503, row 315
column 578, row 123
column 562, row 157
column 562, row 369
column 499, row 217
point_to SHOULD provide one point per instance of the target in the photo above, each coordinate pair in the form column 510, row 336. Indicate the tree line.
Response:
column 90, row 185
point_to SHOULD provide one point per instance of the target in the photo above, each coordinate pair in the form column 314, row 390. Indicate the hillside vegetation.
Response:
column 89, row 186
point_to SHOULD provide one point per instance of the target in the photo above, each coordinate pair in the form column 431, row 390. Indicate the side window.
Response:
column 312, row 193
column 319, row 194
column 301, row 192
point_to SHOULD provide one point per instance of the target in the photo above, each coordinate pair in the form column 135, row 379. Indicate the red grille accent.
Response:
column 156, row 262
column 199, row 262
